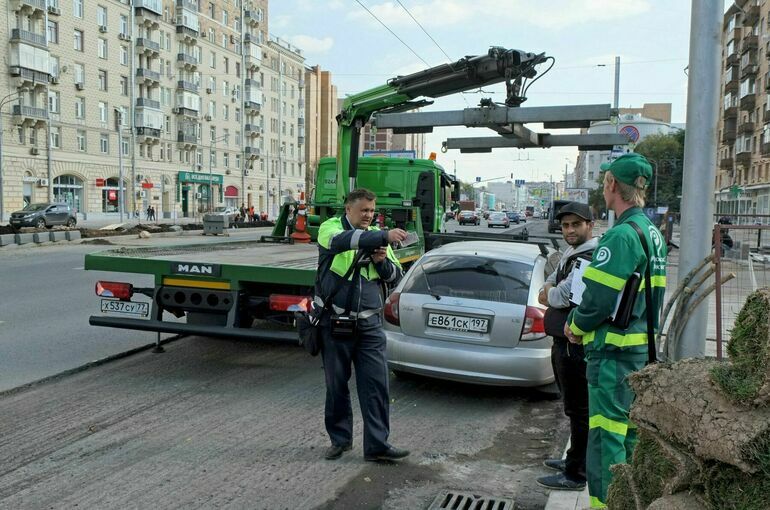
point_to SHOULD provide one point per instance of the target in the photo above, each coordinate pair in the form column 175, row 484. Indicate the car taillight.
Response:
column 122, row 291
column 391, row 309
column 289, row 303
column 534, row 324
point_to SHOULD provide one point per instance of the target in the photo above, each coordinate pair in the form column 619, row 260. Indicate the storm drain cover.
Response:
column 457, row 500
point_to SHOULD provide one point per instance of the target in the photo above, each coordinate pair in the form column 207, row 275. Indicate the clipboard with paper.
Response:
column 624, row 306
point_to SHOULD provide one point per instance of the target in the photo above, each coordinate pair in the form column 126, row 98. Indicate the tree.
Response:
column 596, row 197
column 666, row 153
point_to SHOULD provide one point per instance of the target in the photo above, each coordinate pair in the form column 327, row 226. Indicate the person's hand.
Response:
column 379, row 255
column 572, row 337
column 542, row 298
column 396, row 235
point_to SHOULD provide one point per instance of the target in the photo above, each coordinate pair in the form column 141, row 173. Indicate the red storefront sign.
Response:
column 147, row 185
column 100, row 182
column 112, row 195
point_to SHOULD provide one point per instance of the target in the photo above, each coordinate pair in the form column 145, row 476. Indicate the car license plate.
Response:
column 457, row 322
column 141, row 309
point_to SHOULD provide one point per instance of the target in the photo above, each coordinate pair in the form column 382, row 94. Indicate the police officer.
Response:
column 568, row 361
column 339, row 240
column 613, row 352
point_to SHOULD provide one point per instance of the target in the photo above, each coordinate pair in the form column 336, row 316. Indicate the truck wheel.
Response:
column 40, row 223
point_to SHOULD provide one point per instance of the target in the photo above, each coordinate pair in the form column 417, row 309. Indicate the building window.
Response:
column 101, row 15
column 225, row 89
column 124, row 146
column 80, row 73
column 225, row 17
column 211, row 36
column 55, row 137
column 53, row 101
column 212, row 10
column 81, row 139
column 238, row 161
column 124, row 24
column 124, row 55
column 224, row 41
column 226, row 112
column 101, row 48
column 104, row 143
column 212, row 133
column 213, row 60
column 77, row 8
column 102, row 111
column 80, row 107
column 53, row 32
column 78, row 40
column 124, row 85
column 102, row 79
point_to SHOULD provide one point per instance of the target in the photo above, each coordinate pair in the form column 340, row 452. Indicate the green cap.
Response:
column 628, row 167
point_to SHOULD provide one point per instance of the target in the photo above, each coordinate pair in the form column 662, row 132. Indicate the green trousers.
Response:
column 611, row 438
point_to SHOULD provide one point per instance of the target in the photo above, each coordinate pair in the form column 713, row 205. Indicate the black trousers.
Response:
column 366, row 352
column 569, row 368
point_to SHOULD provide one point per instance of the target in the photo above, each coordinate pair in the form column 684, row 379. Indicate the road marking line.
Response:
column 81, row 267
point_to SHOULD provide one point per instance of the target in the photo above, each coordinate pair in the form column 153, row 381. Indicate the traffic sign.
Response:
column 478, row 179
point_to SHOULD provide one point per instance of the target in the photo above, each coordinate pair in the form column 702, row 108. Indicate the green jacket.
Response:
column 617, row 257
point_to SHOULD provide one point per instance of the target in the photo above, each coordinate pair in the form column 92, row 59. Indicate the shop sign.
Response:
column 29, row 178
column 100, row 182
column 147, row 185
column 200, row 178
column 112, row 195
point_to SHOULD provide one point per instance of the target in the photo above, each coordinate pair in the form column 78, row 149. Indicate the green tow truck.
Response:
column 221, row 289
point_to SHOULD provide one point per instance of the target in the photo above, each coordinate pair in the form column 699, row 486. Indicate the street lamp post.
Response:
column 3, row 102
column 118, row 128
column 211, row 184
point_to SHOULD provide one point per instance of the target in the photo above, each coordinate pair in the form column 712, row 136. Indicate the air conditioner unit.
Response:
column 79, row 86
column 103, row 28
column 175, row 110
column 42, row 182
column 208, row 90
column 54, row 80
column 232, row 39
column 54, row 10
column 124, row 37
column 34, row 151
column 228, row 172
column 139, row 177
column 245, row 171
column 208, row 117
column 233, row 99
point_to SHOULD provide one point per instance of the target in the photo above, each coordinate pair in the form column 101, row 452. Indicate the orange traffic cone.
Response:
column 300, row 234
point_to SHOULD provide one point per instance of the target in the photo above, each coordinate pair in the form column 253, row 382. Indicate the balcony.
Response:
column 731, row 112
column 252, row 17
column 145, row 102
column 731, row 80
column 766, row 116
column 746, row 127
column 148, row 135
column 748, row 101
column 766, row 149
column 253, row 130
column 749, row 69
column 252, row 106
column 726, row 163
column 148, row 46
column 252, row 152
column 152, row 8
column 19, row 35
column 184, row 111
column 750, row 42
column 301, row 121
column 743, row 158
column 732, row 60
column 187, row 85
column 301, row 104
column 750, row 13
column 29, row 114
column 186, row 33
column 301, row 82
column 148, row 75
column 29, row 5
column 28, row 76
column 186, row 60
column 186, row 139
column 728, row 134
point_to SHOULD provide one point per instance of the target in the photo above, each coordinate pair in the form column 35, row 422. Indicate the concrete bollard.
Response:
column 72, row 235
column 7, row 239
column 57, row 235
column 25, row 238
column 41, row 237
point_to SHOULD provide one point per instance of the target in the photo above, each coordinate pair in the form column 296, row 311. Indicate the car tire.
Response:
column 40, row 223
column 72, row 222
column 505, row 226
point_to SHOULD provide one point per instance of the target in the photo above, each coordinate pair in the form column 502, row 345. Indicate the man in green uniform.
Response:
column 613, row 352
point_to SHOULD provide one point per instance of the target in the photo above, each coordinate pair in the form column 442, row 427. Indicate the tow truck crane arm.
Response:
column 402, row 93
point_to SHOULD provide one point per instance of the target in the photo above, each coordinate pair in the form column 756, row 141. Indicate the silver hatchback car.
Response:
column 468, row 311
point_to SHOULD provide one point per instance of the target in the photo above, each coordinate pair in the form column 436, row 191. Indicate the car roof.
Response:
column 496, row 249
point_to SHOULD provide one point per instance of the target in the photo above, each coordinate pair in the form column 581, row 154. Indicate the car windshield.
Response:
column 35, row 207
column 466, row 213
column 472, row 277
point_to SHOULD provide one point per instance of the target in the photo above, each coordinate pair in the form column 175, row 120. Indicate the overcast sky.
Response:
column 584, row 36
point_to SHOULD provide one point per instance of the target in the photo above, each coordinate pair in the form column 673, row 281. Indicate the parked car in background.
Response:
column 486, row 214
column 468, row 311
column 449, row 215
column 514, row 217
column 498, row 219
column 230, row 212
column 468, row 217
column 44, row 215
column 537, row 215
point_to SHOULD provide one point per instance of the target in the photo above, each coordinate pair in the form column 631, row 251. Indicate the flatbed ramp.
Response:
column 228, row 424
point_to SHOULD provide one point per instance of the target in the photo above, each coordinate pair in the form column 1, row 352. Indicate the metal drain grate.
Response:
column 456, row 500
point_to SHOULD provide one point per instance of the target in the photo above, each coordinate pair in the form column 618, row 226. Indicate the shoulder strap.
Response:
column 652, row 355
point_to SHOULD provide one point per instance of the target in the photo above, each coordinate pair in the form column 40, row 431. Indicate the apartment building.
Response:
column 384, row 140
column 322, row 109
column 743, row 178
column 169, row 95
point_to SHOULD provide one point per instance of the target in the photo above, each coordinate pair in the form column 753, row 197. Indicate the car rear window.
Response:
column 465, row 276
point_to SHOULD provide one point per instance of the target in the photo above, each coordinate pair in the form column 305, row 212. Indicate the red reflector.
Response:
column 289, row 303
column 122, row 291
column 534, row 324
column 391, row 309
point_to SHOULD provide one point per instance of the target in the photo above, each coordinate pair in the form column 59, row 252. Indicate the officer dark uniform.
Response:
column 338, row 243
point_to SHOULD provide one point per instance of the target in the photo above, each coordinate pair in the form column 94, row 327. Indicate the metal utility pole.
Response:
column 700, row 151
column 119, row 129
column 616, row 105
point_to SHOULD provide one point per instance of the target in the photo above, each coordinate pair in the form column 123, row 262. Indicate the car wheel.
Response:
column 40, row 223
column 490, row 226
column 505, row 226
column 72, row 222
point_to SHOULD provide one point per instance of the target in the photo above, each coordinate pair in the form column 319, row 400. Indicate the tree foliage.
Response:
column 666, row 153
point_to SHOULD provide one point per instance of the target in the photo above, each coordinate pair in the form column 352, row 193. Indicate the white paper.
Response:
column 579, row 287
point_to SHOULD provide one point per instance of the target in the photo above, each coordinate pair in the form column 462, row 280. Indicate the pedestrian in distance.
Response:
column 351, row 333
column 569, row 366
column 149, row 213
column 615, row 346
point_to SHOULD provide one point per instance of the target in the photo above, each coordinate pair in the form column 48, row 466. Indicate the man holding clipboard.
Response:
column 615, row 335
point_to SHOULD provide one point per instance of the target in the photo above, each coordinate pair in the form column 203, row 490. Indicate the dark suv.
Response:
column 44, row 215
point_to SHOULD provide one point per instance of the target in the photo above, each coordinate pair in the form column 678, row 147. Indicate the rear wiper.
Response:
column 427, row 285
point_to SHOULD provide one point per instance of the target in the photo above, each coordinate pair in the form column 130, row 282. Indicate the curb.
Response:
column 568, row 500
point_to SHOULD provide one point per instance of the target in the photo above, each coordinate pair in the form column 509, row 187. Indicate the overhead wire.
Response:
column 392, row 32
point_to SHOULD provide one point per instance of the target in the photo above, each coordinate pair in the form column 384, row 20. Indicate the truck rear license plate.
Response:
column 126, row 307
column 457, row 322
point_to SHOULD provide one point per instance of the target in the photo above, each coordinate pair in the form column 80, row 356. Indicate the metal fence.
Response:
column 742, row 249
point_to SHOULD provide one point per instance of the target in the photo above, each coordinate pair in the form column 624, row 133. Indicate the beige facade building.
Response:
column 322, row 109
column 743, row 178
column 384, row 140
column 178, row 92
